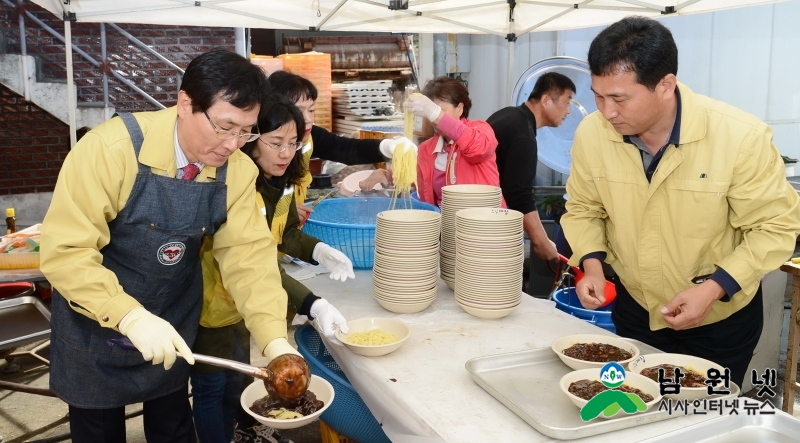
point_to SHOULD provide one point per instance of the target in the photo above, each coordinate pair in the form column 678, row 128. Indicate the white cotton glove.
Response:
column 422, row 106
column 278, row 347
column 154, row 337
column 390, row 144
column 328, row 319
column 337, row 263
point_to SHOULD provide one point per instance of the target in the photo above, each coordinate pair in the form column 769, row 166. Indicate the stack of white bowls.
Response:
column 406, row 249
column 489, row 256
column 455, row 198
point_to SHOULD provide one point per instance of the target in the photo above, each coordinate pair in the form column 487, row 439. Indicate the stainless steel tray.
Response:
column 778, row 428
column 526, row 382
column 23, row 320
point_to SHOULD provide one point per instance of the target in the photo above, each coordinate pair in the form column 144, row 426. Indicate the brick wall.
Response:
column 179, row 44
column 33, row 145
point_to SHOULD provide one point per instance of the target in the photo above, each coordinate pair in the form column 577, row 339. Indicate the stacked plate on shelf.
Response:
column 455, row 198
column 489, row 256
column 406, row 249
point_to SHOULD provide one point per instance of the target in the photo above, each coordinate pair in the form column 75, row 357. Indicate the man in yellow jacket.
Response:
column 121, row 240
column 682, row 195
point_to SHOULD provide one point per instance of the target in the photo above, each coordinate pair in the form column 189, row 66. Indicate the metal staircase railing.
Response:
column 102, row 64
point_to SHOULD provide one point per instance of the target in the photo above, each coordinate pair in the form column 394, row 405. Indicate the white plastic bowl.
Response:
column 486, row 314
column 697, row 364
column 633, row 380
column 389, row 325
column 404, row 308
column 318, row 385
column 566, row 341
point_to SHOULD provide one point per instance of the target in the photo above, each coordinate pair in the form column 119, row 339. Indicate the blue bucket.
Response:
column 347, row 415
column 567, row 301
column 348, row 224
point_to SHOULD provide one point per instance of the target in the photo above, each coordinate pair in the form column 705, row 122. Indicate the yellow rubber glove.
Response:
column 154, row 337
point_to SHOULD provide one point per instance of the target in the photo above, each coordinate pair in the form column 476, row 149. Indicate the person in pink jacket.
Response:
column 461, row 152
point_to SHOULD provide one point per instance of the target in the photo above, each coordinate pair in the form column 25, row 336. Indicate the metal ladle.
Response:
column 269, row 378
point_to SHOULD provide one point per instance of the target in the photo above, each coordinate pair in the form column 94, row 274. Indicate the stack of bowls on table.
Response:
column 455, row 198
column 406, row 249
column 489, row 255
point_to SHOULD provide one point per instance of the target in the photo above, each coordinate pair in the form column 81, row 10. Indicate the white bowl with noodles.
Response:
column 692, row 363
column 388, row 325
column 566, row 341
column 632, row 380
column 321, row 388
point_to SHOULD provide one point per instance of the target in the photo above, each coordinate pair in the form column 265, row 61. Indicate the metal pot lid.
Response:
column 554, row 144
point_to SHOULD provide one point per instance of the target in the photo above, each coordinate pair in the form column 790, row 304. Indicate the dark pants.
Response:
column 216, row 394
column 167, row 419
column 729, row 343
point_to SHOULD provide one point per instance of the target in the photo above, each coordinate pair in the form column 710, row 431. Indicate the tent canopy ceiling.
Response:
column 424, row 16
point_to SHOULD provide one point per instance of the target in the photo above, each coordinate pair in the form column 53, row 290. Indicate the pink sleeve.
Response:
column 477, row 142
column 451, row 127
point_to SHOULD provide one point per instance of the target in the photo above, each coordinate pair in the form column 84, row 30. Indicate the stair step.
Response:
column 50, row 95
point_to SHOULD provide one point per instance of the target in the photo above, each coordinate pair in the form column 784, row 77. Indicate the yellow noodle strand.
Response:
column 374, row 337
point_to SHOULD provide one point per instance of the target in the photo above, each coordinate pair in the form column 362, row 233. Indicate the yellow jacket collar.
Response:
column 162, row 158
column 693, row 119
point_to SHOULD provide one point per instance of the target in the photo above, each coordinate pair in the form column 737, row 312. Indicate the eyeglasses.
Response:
column 225, row 134
column 281, row 148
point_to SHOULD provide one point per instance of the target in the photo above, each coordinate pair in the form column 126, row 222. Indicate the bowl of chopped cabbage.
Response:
column 20, row 250
column 373, row 337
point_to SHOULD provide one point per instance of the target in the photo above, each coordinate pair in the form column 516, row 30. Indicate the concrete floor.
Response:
column 37, row 419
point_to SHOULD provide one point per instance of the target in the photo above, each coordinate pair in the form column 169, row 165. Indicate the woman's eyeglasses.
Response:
column 281, row 148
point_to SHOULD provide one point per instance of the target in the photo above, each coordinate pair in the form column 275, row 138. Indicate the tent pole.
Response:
column 239, row 42
column 511, row 37
column 509, row 88
column 70, row 84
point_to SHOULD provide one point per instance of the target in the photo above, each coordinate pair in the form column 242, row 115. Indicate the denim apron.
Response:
column 154, row 252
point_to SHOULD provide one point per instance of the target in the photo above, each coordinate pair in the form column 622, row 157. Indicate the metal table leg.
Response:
column 32, row 353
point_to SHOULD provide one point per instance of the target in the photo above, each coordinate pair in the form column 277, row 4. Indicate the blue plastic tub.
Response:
column 348, row 415
column 348, row 224
column 567, row 301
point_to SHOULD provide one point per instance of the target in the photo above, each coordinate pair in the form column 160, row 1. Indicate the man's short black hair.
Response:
column 636, row 44
column 225, row 74
column 292, row 86
column 552, row 84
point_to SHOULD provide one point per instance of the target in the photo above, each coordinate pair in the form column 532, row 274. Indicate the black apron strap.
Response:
column 137, row 138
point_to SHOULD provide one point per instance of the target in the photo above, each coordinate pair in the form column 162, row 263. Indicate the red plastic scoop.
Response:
column 610, row 292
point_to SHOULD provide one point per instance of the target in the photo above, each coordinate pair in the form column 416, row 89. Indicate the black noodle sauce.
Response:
column 587, row 389
column 597, row 352
column 691, row 378
column 307, row 404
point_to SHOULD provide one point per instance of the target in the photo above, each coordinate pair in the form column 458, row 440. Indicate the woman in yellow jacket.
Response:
column 222, row 331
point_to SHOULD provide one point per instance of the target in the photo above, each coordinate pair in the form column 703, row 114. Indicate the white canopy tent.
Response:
column 505, row 18
column 426, row 16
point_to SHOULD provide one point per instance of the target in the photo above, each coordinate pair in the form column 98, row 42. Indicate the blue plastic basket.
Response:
column 347, row 415
column 348, row 224
column 567, row 301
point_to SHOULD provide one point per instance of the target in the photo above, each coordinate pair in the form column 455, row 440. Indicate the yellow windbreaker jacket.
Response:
column 93, row 186
column 720, row 199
